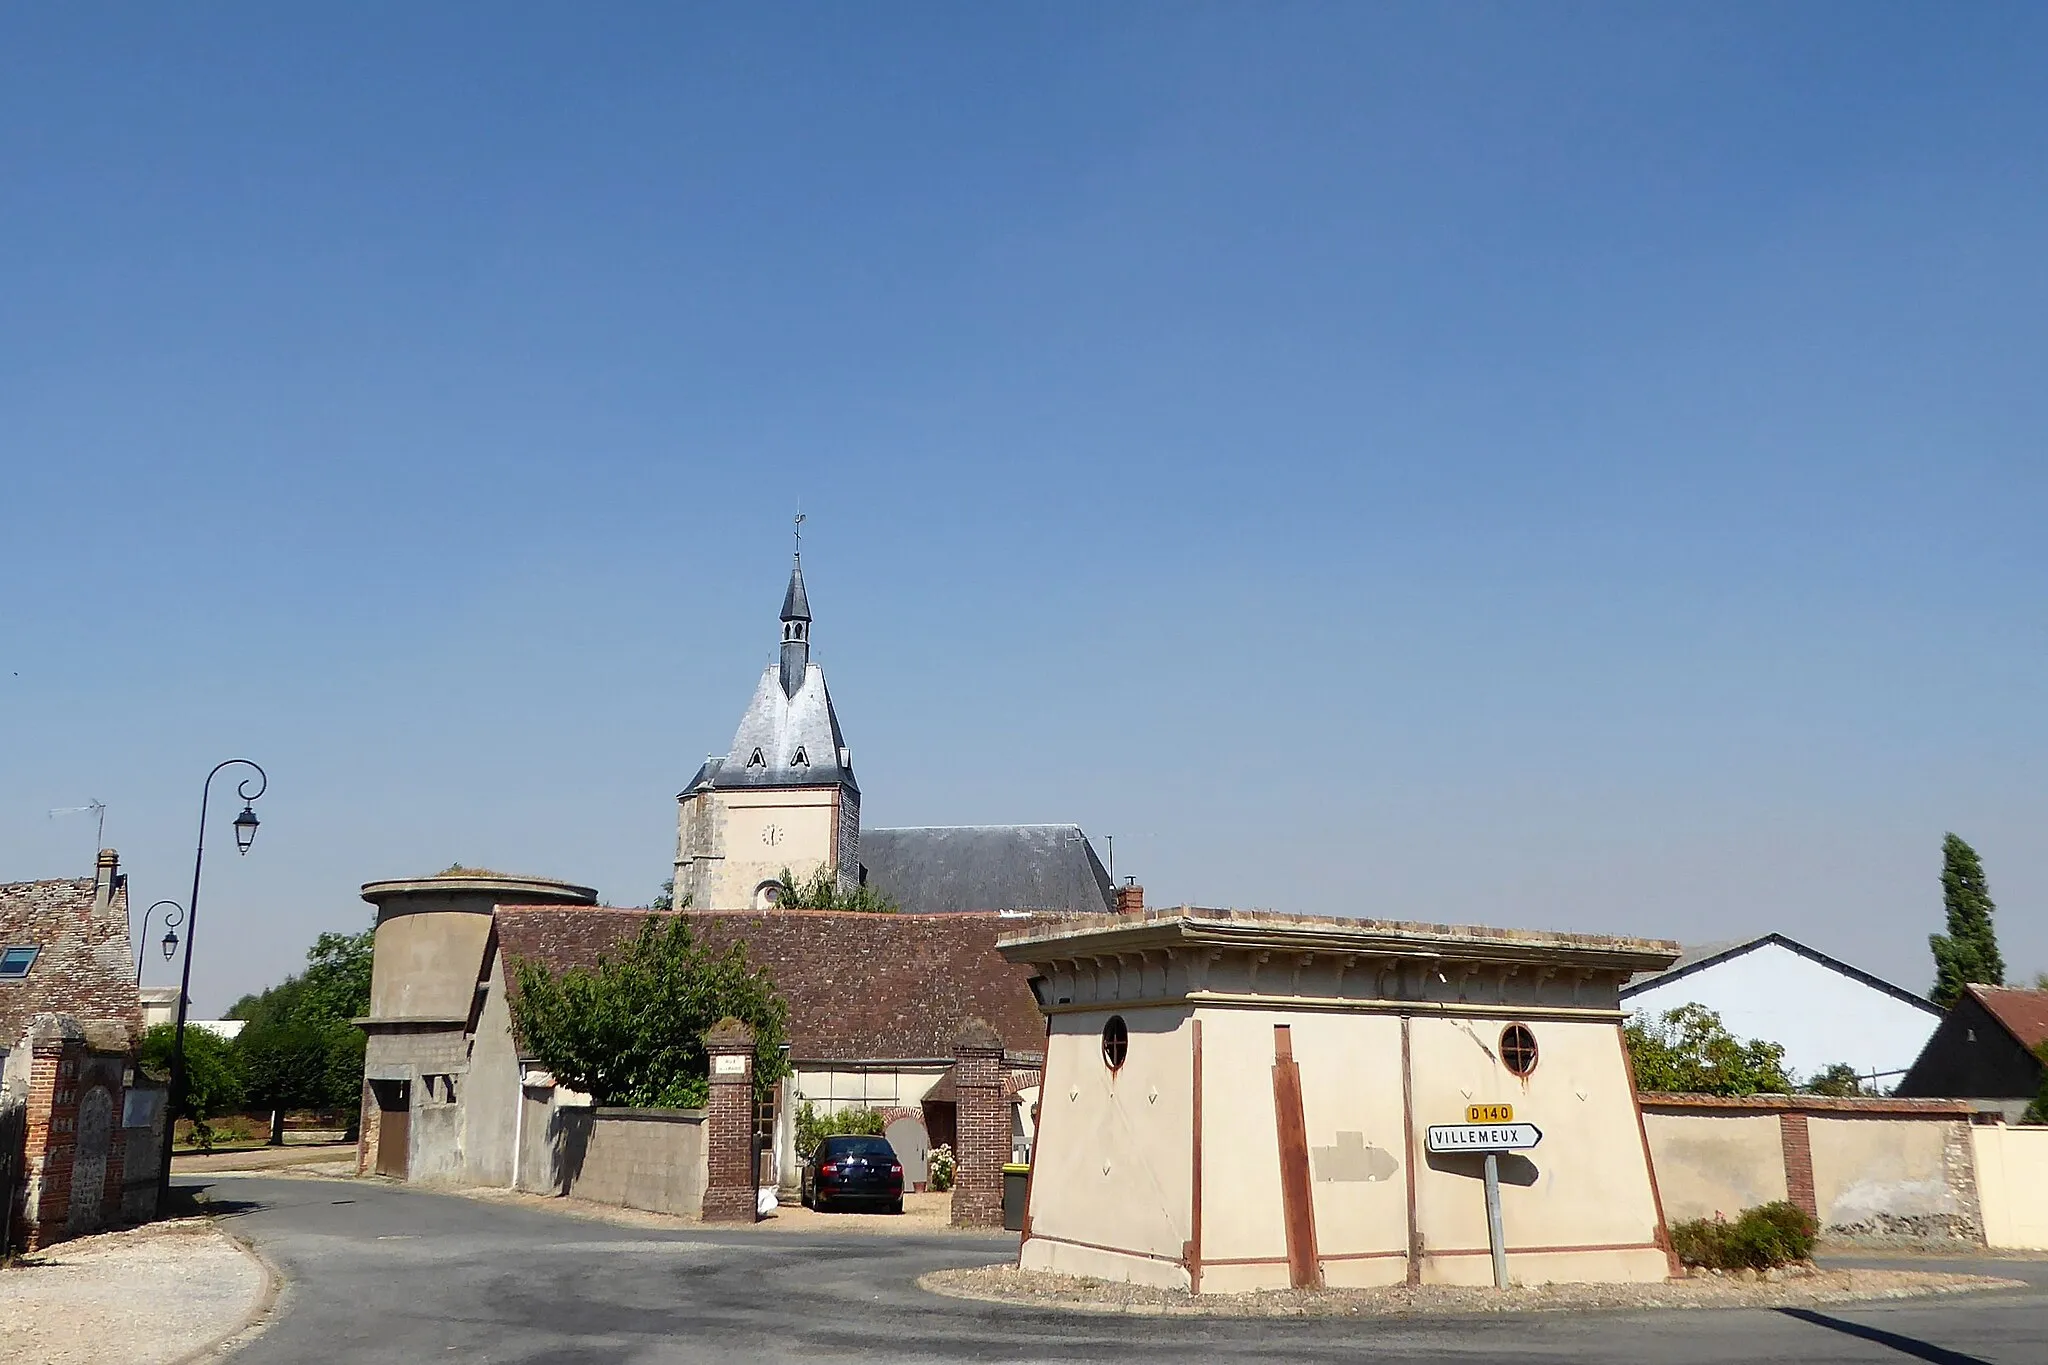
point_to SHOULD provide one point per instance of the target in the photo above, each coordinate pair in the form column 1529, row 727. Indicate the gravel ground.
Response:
column 923, row 1214
column 1039, row 1289
column 149, row 1296
column 324, row 1154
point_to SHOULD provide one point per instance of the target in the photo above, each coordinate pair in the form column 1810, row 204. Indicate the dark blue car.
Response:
column 845, row 1171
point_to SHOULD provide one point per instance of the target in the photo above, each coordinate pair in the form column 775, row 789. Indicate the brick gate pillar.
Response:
column 981, row 1137
column 56, row 1048
column 729, row 1194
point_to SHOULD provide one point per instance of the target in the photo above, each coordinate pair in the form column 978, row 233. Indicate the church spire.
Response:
column 796, row 631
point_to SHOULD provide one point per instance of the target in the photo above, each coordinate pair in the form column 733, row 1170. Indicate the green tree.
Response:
column 666, row 900
column 299, row 1048
column 822, row 892
column 630, row 1030
column 1968, row 953
column 213, row 1074
column 1689, row 1051
column 1840, row 1081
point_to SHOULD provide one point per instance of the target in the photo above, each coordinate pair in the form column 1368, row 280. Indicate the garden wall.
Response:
column 2012, row 1183
column 650, row 1159
column 1877, row 1170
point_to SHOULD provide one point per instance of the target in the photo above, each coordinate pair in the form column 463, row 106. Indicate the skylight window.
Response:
column 799, row 759
column 754, row 760
column 15, row 962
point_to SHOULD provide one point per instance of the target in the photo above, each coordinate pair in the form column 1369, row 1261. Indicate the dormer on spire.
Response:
column 796, row 631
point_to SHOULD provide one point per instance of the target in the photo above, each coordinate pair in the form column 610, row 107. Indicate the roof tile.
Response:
column 2024, row 1013
column 860, row 987
column 84, row 969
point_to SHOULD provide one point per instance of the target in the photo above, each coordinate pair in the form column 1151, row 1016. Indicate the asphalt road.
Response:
column 385, row 1274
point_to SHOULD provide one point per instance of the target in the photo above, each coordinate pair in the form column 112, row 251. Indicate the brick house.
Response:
column 80, row 1149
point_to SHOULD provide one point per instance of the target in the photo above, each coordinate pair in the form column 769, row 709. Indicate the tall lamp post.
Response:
column 245, row 834
column 173, row 917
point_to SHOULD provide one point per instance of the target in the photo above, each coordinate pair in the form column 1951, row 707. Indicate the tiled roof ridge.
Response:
column 948, row 915
column 87, row 884
column 1000, row 824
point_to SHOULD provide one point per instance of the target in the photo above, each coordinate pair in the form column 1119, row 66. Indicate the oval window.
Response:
column 1518, row 1049
column 1116, row 1041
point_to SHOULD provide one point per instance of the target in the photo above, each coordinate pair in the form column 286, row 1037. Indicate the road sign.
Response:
column 1489, row 1113
column 1483, row 1137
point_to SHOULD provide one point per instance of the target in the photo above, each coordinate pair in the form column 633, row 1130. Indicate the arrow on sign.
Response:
column 1483, row 1137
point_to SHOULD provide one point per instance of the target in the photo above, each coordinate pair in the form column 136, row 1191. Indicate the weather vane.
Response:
column 799, row 532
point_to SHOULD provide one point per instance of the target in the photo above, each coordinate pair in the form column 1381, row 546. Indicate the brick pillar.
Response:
column 56, row 1053
column 981, row 1138
column 729, row 1194
column 1792, row 1135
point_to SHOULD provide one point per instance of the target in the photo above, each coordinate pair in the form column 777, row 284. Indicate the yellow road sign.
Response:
column 1489, row 1113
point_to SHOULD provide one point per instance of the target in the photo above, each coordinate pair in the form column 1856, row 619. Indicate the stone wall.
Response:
column 1881, row 1171
column 142, row 1144
column 651, row 1159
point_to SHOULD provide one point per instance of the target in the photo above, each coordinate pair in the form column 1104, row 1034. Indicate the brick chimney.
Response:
column 106, row 882
column 1130, row 898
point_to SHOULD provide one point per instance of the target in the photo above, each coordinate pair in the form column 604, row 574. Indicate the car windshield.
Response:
column 860, row 1146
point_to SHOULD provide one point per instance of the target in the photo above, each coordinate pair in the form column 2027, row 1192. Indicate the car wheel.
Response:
column 896, row 1205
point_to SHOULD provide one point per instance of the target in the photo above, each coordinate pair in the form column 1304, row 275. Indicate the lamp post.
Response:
column 173, row 917
column 245, row 834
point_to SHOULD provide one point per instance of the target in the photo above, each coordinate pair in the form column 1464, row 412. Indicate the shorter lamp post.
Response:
column 245, row 834
column 173, row 917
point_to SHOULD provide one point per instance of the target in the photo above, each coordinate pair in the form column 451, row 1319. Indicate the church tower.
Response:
column 782, row 797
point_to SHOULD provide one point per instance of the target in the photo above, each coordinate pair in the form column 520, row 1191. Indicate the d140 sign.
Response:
column 1483, row 1137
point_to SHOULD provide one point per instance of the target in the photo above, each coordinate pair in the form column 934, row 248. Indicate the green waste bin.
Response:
column 1016, row 1179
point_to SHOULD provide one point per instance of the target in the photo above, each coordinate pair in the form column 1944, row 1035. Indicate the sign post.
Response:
column 1494, row 1238
column 1490, row 1130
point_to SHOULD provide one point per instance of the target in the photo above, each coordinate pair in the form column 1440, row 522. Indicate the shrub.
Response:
column 813, row 1127
column 1773, row 1234
column 941, row 1165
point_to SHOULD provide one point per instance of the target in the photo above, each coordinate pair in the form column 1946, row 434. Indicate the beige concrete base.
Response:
column 1066, row 1258
column 1551, row 1267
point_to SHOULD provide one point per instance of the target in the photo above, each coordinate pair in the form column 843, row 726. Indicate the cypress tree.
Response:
column 1968, row 953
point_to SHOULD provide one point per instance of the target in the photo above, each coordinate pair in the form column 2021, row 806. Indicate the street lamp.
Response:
column 173, row 917
column 245, row 834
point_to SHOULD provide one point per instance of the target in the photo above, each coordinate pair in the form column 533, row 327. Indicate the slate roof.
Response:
column 2024, row 1013
column 85, row 969
column 1700, row 956
column 796, row 606
column 933, row 869
column 860, row 987
column 783, row 729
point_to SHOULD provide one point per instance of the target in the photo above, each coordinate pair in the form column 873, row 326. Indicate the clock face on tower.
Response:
column 771, row 835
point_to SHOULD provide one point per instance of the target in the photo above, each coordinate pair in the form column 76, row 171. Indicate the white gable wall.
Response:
column 1820, row 1015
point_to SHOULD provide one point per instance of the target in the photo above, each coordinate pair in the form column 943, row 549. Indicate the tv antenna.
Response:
column 95, row 807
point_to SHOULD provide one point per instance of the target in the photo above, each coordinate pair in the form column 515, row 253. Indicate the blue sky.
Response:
column 1569, row 466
